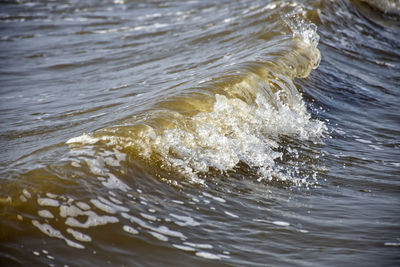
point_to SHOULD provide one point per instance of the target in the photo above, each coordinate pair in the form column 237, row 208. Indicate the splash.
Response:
column 301, row 27
column 239, row 117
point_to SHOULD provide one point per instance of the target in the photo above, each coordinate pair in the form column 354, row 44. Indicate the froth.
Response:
column 234, row 132
column 238, row 117
column 301, row 27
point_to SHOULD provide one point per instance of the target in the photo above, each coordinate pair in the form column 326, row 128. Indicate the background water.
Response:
column 196, row 133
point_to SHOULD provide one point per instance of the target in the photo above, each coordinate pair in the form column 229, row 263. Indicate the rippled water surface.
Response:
column 191, row 133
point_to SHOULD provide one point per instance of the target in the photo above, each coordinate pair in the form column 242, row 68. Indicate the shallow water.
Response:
column 246, row 133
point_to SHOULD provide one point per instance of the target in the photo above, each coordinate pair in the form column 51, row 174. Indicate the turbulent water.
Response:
column 191, row 133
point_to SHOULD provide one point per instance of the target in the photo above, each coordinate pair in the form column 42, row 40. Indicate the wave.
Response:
column 237, row 117
column 386, row 6
column 385, row 13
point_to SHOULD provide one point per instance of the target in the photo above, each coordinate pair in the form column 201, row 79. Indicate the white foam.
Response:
column 159, row 236
column 114, row 158
column 83, row 139
column 51, row 195
column 110, row 161
column 75, row 164
column 163, row 230
column 281, row 223
column 271, row 6
column 166, row 231
column 102, row 206
column 231, row 214
column 79, row 236
column 70, row 211
column 392, row 244
column 376, row 147
column 184, row 248
column 207, row 255
column 48, row 202
column 244, row 127
column 214, row 197
column 92, row 220
column 114, row 183
column 115, row 200
column 130, row 229
column 26, row 193
column 363, row 141
column 74, row 244
column 82, row 205
column 50, row 231
column 107, row 206
column 301, row 27
column 185, row 220
column 236, row 131
column 45, row 214
column 148, row 216
column 203, row 246
column 96, row 166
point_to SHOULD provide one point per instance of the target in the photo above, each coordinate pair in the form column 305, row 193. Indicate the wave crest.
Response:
column 237, row 117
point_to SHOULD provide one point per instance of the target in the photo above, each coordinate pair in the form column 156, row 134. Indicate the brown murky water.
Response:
column 187, row 133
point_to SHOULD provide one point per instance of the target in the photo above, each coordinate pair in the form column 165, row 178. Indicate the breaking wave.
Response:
column 240, row 116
